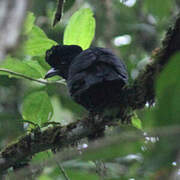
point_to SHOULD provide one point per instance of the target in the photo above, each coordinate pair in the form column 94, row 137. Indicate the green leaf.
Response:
column 169, row 76
column 39, row 157
column 166, row 111
column 37, row 42
column 61, row 114
column 168, row 93
column 44, row 177
column 136, row 122
column 37, row 66
column 42, row 62
column 21, row 67
column 80, row 29
column 37, row 107
column 81, row 175
column 29, row 22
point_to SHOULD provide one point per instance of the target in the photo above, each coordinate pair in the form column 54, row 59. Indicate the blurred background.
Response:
column 132, row 29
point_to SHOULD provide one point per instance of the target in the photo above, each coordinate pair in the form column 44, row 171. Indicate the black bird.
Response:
column 95, row 77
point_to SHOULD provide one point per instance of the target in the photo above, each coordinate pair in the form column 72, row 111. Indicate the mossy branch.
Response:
column 144, row 84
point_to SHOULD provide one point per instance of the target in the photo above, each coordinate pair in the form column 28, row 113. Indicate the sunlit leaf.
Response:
column 37, row 107
column 136, row 122
column 21, row 67
column 42, row 62
column 36, row 65
column 29, row 22
column 37, row 42
column 44, row 177
column 80, row 29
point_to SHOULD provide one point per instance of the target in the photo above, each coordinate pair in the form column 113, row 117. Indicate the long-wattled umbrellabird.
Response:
column 95, row 77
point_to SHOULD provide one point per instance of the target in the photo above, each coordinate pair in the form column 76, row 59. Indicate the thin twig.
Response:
column 100, row 169
column 61, row 168
column 42, row 81
column 58, row 12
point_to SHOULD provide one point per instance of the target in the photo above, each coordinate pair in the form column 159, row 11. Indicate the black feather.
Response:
column 95, row 77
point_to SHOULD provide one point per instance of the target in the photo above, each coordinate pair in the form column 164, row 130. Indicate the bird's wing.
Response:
column 94, row 66
column 102, row 62
column 113, row 62
column 83, row 61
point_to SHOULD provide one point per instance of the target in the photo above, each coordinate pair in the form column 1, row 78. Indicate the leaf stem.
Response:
column 60, row 168
column 42, row 81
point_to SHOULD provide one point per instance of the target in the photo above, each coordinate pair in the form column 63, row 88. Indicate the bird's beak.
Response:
column 52, row 72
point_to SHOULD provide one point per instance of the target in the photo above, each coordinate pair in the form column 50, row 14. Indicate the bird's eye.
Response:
column 48, row 53
column 63, row 62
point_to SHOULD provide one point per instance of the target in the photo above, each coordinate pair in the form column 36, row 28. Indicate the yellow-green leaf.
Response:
column 136, row 122
column 37, row 108
column 29, row 22
column 21, row 67
column 38, row 42
column 80, row 29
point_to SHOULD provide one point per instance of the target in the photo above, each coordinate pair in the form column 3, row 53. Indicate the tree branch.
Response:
column 143, row 86
column 58, row 137
column 70, row 153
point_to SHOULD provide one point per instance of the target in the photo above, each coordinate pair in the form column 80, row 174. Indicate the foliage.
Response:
column 37, row 106
column 22, row 67
column 136, row 122
column 80, row 29
column 37, row 42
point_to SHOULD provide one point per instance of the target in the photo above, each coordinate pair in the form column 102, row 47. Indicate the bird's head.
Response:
column 59, row 58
